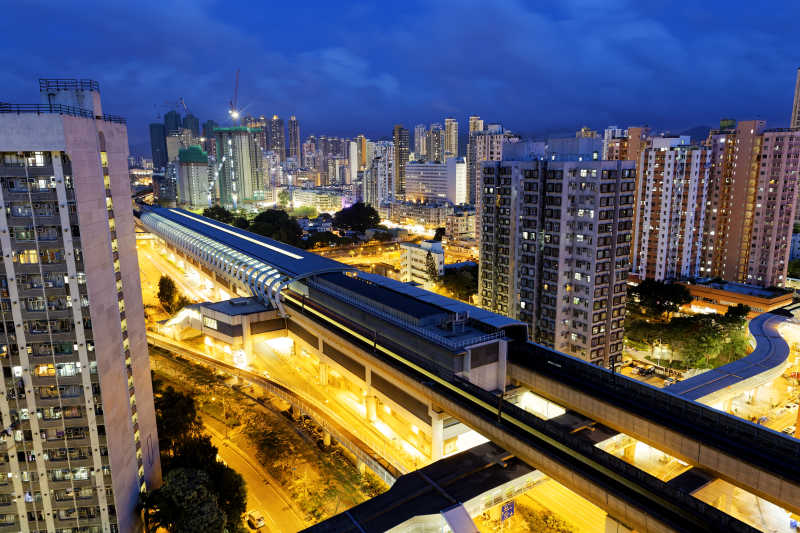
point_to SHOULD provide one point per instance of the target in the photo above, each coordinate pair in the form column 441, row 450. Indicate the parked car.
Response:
column 669, row 381
column 789, row 430
column 255, row 519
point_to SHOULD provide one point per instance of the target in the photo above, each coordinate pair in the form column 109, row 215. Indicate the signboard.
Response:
column 507, row 511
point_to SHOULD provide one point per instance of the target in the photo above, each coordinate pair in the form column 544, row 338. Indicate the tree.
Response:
column 176, row 418
column 461, row 282
column 217, row 212
column 430, row 268
column 358, row 217
column 656, row 298
column 277, row 224
column 185, row 503
column 284, row 197
column 167, row 293
column 241, row 222
column 321, row 238
column 794, row 269
column 439, row 235
column 304, row 211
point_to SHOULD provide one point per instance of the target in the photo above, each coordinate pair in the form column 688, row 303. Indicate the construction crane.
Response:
column 234, row 110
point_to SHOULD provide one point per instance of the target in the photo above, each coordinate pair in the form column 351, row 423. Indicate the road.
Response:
column 261, row 491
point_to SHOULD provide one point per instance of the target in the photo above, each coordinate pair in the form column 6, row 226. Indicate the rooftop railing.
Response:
column 65, row 84
column 57, row 109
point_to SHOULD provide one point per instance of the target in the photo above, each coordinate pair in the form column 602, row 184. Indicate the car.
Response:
column 255, row 519
column 669, row 381
column 789, row 430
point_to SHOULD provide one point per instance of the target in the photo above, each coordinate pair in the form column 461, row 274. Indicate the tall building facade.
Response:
column 378, row 182
column 192, row 123
column 400, row 139
column 555, row 242
column 158, row 145
column 426, row 181
column 420, row 141
column 259, row 128
column 209, row 144
column 172, row 122
column 310, row 153
column 475, row 124
column 484, row 145
column 450, row 138
column 193, row 177
column 294, row 140
column 277, row 137
column 457, row 191
column 672, row 191
column 435, row 144
column 753, row 202
column 81, row 437
column 795, row 119
column 240, row 166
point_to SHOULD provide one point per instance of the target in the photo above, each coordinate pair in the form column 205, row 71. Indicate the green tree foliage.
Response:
column 241, row 222
column 277, row 224
column 167, row 292
column 794, row 269
column 439, row 235
column 383, row 236
column 358, row 217
column 185, row 503
column 461, row 282
column 430, row 267
column 284, row 197
column 217, row 212
column 304, row 211
column 543, row 521
column 323, row 238
column 656, row 298
column 176, row 418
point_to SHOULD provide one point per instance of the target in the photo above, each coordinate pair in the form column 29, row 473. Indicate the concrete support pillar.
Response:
column 323, row 374
column 629, row 452
column 371, row 407
column 502, row 366
column 247, row 339
column 326, row 438
column 437, row 436
column 362, row 468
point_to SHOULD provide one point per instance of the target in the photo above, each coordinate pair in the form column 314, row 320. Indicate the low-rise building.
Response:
column 420, row 259
column 429, row 215
column 323, row 199
column 716, row 296
column 460, row 226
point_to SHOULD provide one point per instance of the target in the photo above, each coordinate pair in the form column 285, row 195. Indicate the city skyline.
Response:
column 336, row 85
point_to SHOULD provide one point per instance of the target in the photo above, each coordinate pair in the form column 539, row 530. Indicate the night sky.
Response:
column 345, row 67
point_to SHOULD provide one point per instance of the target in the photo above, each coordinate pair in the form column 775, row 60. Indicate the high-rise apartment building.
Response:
column 277, row 137
column 192, row 177
column 435, row 144
column 457, row 188
column 259, row 128
column 475, row 124
column 378, row 182
column 450, row 138
column 192, row 123
column 484, row 145
column 310, row 153
column 672, row 191
column 294, row 139
column 158, row 145
column 555, row 242
column 795, row 120
column 400, row 139
column 80, row 443
column 172, row 122
column 361, row 140
column 751, row 212
column 420, row 142
column 352, row 155
column 209, row 144
column 240, row 166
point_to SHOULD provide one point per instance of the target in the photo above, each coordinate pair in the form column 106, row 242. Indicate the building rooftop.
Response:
column 430, row 490
column 193, row 154
column 237, row 306
column 740, row 288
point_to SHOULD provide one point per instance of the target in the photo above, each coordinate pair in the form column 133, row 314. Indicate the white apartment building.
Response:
column 417, row 257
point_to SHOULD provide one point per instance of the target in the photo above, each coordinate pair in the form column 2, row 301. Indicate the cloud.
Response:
column 535, row 66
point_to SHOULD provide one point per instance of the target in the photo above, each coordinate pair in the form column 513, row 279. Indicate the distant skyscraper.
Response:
column 795, row 121
column 258, row 126
column 420, row 141
column 426, row 181
column 191, row 122
column 277, row 137
column 294, row 139
column 209, row 145
column 484, row 145
column 310, row 153
column 81, row 443
column 353, row 158
column 362, row 152
column 378, row 185
column 547, row 261
column 158, row 145
column 435, row 148
column 240, row 161
column 172, row 121
column 475, row 124
column 450, row 137
column 400, row 138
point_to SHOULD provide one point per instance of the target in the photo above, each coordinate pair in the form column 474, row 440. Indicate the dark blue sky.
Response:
column 350, row 67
